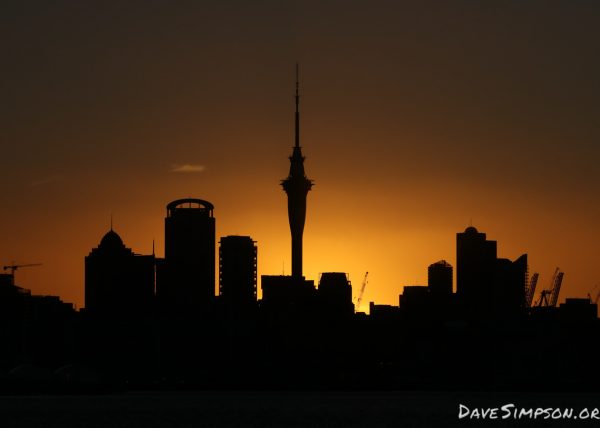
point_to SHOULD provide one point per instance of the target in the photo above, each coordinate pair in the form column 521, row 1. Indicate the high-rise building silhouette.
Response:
column 297, row 186
column 415, row 301
column 186, row 276
column 335, row 295
column 509, row 286
column 439, row 278
column 487, row 286
column 237, row 270
column 475, row 268
column 118, row 282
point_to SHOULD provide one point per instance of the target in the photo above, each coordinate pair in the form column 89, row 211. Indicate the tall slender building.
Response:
column 237, row 270
column 475, row 269
column 186, row 276
column 297, row 185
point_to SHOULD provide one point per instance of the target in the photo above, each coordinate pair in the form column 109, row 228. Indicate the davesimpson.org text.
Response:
column 511, row 411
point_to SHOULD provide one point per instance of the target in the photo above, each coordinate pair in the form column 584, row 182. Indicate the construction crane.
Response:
column 549, row 297
column 13, row 267
column 597, row 296
column 556, row 288
column 362, row 291
column 530, row 292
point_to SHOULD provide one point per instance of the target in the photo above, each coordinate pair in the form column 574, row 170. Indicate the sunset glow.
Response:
column 415, row 123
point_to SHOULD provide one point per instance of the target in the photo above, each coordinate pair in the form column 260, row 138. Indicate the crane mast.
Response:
column 362, row 292
column 549, row 297
column 531, row 289
column 556, row 289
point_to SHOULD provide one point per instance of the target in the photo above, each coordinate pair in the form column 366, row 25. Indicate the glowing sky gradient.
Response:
column 417, row 117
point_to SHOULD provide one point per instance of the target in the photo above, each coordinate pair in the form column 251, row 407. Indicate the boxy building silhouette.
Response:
column 237, row 270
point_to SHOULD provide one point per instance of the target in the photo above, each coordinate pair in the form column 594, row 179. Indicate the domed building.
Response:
column 118, row 282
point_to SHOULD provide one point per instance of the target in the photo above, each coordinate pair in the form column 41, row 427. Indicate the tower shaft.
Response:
column 297, row 186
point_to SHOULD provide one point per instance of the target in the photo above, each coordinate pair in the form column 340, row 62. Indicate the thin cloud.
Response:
column 45, row 180
column 187, row 168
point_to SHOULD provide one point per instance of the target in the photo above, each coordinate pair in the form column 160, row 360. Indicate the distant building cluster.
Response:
column 122, row 284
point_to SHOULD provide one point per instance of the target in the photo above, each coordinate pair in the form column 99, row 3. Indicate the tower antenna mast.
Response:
column 297, row 136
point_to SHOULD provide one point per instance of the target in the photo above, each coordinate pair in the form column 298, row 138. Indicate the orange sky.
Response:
column 416, row 119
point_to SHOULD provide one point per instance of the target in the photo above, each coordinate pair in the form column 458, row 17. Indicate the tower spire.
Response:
column 297, row 139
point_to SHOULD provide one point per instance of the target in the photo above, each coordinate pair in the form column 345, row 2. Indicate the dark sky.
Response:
column 417, row 118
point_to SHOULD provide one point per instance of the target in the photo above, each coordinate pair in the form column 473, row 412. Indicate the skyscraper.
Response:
column 237, row 270
column 487, row 286
column 439, row 278
column 297, row 186
column 475, row 268
column 186, row 277
column 118, row 283
column 511, row 280
column 335, row 295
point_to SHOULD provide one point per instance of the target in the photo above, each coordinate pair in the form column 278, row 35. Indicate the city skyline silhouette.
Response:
column 306, row 214
column 415, row 121
column 152, row 322
column 296, row 186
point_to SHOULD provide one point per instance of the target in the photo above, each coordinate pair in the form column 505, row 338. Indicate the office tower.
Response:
column 487, row 286
column 510, row 284
column 415, row 301
column 118, row 283
column 335, row 294
column 439, row 278
column 475, row 268
column 237, row 270
column 297, row 186
column 186, row 276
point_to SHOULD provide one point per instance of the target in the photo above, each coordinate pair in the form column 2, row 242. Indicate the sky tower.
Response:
column 296, row 186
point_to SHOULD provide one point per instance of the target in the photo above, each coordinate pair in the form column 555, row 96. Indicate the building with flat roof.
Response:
column 237, row 270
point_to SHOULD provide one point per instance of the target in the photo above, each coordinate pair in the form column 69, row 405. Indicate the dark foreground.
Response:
column 282, row 409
